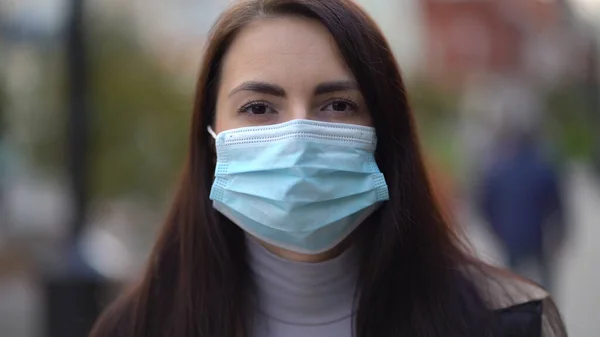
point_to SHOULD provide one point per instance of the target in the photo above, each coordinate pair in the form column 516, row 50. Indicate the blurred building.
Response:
column 401, row 23
column 532, row 38
column 500, row 57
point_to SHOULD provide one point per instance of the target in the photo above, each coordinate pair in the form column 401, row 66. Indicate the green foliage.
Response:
column 567, row 122
column 435, row 112
column 140, row 125
column 3, row 126
column 431, row 103
column 47, row 129
column 139, row 119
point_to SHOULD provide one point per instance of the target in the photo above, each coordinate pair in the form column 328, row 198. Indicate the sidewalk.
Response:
column 579, row 268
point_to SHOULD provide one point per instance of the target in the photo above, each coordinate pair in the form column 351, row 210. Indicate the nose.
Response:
column 299, row 110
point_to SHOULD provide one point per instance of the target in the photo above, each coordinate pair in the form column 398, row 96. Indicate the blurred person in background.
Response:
column 304, row 207
column 521, row 201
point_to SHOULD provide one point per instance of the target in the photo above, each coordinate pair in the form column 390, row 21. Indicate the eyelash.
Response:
column 348, row 101
column 252, row 103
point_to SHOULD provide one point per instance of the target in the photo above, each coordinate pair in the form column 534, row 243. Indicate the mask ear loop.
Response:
column 214, row 136
column 211, row 132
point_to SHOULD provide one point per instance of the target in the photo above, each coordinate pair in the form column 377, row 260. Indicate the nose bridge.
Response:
column 300, row 107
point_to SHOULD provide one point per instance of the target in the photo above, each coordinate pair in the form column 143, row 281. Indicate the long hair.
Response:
column 410, row 283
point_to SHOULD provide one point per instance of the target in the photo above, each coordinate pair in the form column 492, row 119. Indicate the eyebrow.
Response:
column 335, row 86
column 260, row 87
column 275, row 90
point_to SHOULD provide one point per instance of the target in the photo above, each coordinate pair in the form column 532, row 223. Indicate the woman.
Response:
column 304, row 208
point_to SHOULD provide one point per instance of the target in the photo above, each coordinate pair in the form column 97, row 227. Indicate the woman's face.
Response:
column 280, row 69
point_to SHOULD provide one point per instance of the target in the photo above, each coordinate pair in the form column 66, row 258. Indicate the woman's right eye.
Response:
column 257, row 108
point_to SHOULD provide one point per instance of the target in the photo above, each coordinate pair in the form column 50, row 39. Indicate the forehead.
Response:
column 284, row 50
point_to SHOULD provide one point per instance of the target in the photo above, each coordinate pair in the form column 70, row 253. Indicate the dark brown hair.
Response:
column 409, row 285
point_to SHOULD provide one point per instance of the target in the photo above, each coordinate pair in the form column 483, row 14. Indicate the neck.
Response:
column 307, row 258
column 300, row 292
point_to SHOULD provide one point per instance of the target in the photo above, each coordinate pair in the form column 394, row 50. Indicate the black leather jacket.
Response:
column 522, row 320
column 522, row 308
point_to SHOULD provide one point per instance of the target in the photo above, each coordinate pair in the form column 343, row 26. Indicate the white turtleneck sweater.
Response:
column 295, row 299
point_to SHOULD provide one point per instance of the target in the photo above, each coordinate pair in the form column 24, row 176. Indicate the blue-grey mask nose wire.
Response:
column 275, row 183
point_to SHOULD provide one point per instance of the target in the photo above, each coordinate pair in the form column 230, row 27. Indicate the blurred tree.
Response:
column 592, row 88
column 3, row 130
column 139, row 119
column 432, row 103
column 140, row 127
column 3, row 127
column 435, row 110
column 568, row 124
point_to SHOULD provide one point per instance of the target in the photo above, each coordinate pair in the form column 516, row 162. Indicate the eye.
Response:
column 256, row 108
column 340, row 105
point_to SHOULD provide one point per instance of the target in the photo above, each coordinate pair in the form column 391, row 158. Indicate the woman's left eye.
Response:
column 340, row 106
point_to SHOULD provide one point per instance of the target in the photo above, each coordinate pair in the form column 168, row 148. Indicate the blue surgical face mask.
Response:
column 301, row 185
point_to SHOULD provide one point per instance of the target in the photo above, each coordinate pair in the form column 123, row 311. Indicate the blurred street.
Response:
column 95, row 100
column 577, row 273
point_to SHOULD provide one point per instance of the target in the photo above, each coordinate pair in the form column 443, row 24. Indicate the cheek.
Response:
column 365, row 119
column 226, row 122
column 224, row 113
column 224, row 118
column 219, row 127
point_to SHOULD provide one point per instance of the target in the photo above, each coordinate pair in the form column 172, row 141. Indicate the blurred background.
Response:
column 95, row 99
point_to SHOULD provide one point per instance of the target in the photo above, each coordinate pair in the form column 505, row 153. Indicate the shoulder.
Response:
column 502, row 289
column 520, row 304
